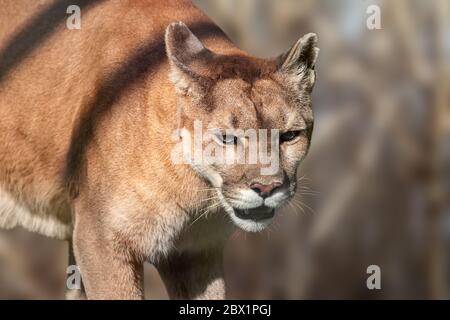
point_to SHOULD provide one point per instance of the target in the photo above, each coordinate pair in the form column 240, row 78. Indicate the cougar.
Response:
column 97, row 146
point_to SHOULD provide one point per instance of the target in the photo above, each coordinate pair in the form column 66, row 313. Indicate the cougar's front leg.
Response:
column 108, row 268
column 194, row 275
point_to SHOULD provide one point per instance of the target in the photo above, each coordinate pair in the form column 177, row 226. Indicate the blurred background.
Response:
column 375, row 188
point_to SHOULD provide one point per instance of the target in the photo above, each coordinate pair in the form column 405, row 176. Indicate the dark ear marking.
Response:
column 300, row 61
column 303, row 54
column 182, row 45
column 184, row 50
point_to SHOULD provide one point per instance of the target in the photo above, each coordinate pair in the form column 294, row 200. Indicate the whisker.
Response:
column 206, row 189
column 204, row 212
column 211, row 198
column 297, row 205
column 303, row 178
column 307, row 189
column 303, row 204
column 310, row 209
column 309, row 194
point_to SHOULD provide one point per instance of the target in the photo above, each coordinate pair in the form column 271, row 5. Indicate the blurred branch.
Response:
column 436, row 256
column 404, row 20
column 353, row 183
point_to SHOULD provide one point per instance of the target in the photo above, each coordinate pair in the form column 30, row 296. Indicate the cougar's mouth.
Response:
column 250, row 219
column 255, row 214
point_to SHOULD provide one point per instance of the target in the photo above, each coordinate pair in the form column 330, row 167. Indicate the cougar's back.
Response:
column 55, row 85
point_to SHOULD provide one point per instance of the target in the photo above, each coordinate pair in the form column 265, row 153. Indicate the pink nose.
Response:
column 264, row 190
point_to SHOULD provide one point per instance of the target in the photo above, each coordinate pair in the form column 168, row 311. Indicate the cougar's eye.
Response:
column 289, row 135
column 227, row 139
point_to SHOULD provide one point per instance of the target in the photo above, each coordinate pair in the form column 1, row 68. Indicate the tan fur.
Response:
column 87, row 122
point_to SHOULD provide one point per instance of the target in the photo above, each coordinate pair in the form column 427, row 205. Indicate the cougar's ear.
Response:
column 187, row 57
column 299, row 62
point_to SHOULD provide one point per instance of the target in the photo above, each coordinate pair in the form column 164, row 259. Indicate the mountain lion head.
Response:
column 245, row 123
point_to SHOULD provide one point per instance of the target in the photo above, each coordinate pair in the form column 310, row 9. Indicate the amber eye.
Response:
column 228, row 139
column 289, row 135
